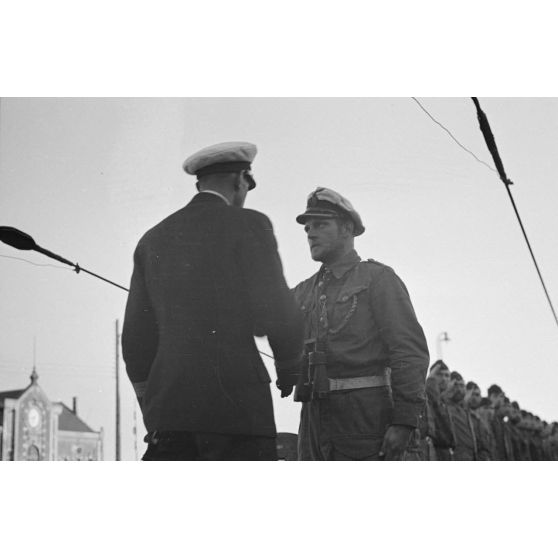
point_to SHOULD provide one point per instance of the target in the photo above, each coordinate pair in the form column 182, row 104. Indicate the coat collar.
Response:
column 347, row 262
column 204, row 197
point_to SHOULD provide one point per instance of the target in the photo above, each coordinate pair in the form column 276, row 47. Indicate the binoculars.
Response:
column 314, row 383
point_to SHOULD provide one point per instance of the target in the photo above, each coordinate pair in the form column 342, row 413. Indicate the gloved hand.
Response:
column 395, row 442
column 288, row 375
column 286, row 382
column 286, row 389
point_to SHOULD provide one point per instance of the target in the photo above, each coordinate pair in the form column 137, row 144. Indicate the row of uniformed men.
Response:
column 459, row 424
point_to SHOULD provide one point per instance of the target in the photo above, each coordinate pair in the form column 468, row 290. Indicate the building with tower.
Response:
column 33, row 428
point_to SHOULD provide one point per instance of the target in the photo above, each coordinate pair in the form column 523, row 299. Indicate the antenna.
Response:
column 117, row 358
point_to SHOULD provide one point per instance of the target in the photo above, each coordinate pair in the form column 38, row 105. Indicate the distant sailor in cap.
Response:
column 205, row 280
column 366, row 357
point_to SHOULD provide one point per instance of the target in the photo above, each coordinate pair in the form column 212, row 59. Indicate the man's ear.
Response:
column 236, row 182
column 347, row 227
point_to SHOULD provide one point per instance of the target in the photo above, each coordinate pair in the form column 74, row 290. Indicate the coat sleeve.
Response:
column 139, row 332
column 272, row 304
column 404, row 338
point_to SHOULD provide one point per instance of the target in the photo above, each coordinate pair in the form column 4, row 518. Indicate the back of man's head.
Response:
column 216, row 181
column 224, row 168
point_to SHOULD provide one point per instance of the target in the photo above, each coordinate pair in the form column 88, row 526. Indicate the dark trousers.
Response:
column 204, row 446
column 345, row 426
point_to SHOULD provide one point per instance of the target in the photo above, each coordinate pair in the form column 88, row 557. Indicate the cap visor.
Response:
column 316, row 215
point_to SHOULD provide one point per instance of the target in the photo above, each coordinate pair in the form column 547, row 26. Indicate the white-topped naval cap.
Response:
column 327, row 203
column 230, row 156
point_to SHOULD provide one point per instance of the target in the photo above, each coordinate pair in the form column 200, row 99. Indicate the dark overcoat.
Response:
column 206, row 280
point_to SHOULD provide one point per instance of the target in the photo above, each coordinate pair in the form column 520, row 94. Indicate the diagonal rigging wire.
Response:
column 67, row 269
column 33, row 263
column 491, row 144
column 452, row 136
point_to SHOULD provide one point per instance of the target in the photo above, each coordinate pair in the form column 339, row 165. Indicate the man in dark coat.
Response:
column 206, row 280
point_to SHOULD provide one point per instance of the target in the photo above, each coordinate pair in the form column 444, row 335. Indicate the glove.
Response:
column 288, row 375
column 395, row 442
column 286, row 382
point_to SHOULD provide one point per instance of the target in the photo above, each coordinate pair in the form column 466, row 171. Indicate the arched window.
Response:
column 33, row 454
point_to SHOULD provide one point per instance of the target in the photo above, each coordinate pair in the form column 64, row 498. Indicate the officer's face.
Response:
column 456, row 390
column 498, row 400
column 473, row 398
column 325, row 238
column 515, row 415
column 442, row 377
column 503, row 410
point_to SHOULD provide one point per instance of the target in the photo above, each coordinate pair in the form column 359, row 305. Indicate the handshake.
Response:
column 288, row 374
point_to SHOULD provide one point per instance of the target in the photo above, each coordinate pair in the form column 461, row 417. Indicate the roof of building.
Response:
column 69, row 422
column 13, row 394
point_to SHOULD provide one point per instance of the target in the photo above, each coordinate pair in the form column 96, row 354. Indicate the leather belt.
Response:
column 360, row 382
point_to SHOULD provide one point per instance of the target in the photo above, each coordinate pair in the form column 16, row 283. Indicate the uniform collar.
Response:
column 216, row 194
column 347, row 262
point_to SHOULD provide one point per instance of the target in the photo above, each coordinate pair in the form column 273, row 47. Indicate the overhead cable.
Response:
column 33, row 263
column 452, row 136
column 491, row 144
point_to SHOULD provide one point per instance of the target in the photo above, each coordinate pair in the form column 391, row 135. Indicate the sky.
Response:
column 86, row 177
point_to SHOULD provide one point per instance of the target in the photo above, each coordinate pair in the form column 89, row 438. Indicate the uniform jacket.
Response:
column 443, row 432
column 519, row 443
column 372, row 325
column 464, row 430
column 205, row 280
column 535, row 447
column 487, row 417
column 482, row 436
column 502, row 438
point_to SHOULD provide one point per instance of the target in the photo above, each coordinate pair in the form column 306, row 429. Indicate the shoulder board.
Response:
column 377, row 266
column 370, row 260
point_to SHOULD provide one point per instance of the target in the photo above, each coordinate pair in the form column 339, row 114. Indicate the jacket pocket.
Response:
column 365, row 413
column 347, row 293
column 348, row 304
